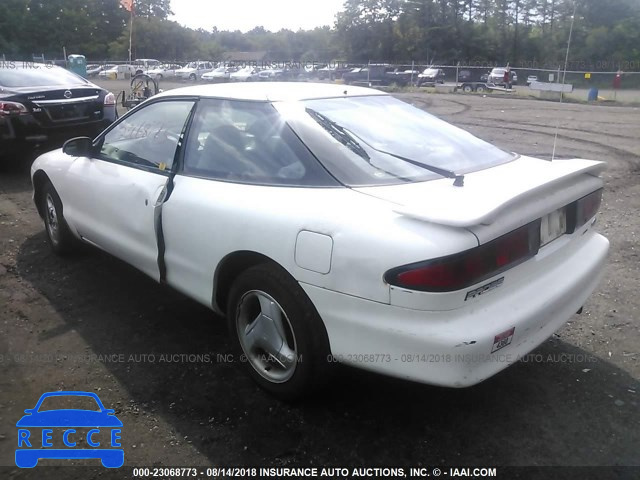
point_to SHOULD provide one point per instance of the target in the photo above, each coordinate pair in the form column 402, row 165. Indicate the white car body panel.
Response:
column 191, row 72
column 96, row 193
column 454, row 348
column 162, row 71
column 223, row 216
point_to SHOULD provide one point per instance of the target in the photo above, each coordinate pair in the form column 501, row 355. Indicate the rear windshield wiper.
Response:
column 346, row 137
column 339, row 133
column 458, row 179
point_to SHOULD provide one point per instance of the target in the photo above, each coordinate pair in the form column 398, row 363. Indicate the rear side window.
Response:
column 248, row 142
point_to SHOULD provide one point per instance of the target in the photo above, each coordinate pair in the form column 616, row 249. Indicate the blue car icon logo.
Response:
column 69, row 433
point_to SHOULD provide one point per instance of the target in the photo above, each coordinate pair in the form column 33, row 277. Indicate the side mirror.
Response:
column 29, row 411
column 78, row 147
column 109, row 411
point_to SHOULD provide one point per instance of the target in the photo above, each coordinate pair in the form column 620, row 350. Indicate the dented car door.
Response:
column 118, row 193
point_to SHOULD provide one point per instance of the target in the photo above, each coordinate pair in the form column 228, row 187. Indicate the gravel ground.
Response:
column 574, row 404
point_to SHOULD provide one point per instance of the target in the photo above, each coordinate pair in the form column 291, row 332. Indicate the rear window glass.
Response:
column 384, row 126
column 17, row 74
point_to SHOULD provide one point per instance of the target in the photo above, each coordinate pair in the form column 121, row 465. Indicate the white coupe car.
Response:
column 163, row 71
column 333, row 223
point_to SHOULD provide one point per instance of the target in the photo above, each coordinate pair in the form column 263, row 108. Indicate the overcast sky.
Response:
column 245, row 14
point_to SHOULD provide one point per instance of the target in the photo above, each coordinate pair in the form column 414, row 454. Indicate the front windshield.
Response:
column 430, row 71
column 191, row 65
column 384, row 125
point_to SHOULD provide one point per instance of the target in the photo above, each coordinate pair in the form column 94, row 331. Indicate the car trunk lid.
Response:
column 61, row 106
column 495, row 200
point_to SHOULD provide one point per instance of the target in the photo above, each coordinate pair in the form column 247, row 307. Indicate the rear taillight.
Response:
column 12, row 108
column 583, row 210
column 110, row 99
column 461, row 270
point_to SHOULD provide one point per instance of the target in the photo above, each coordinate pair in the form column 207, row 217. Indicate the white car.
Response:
column 118, row 72
column 143, row 64
column 220, row 74
column 163, row 71
column 246, row 74
column 335, row 224
column 194, row 70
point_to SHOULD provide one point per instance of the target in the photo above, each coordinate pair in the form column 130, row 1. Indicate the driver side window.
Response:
column 148, row 137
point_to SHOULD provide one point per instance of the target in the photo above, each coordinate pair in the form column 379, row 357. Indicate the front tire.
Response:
column 277, row 332
column 59, row 236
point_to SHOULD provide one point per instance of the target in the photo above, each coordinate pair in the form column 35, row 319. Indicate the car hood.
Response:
column 69, row 418
column 488, row 193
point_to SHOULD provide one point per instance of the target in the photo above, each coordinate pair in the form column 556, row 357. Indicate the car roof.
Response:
column 272, row 91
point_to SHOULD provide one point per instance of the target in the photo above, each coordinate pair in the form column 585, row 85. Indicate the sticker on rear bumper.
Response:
column 484, row 289
column 502, row 340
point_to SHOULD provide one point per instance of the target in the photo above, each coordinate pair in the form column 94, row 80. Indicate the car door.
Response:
column 233, row 151
column 117, row 194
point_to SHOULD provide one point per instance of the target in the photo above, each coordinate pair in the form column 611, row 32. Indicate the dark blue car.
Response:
column 38, row 429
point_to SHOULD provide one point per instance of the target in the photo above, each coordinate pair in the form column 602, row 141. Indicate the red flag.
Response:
column 127, row 4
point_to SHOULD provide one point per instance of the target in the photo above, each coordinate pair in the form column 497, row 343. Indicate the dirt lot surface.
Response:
column 575, row 403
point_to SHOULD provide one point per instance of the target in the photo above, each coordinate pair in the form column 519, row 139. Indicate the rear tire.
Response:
column 277, row 333
column 59, row 236
column 480, row 89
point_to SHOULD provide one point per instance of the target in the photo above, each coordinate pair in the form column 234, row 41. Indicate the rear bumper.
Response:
column 457, row 348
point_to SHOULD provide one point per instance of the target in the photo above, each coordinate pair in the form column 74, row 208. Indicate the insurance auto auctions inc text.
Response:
column 356, row 472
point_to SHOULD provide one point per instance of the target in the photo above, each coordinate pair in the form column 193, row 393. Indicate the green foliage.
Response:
column 521, row 32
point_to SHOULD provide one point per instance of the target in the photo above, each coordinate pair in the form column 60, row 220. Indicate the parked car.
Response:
column 194, row 70
column 496, row 76
column 472, row 75
column 43, row 105
column 280, row 74
column 531, row 79
column 334, row 72
column 431, row 76
column 246, row 74
column 141, row 65
column 118, row 72
column 405, row 75
column 164, row 71
column 335, row 225
column 373, row 75
column 94, row 70
column 220, row 74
